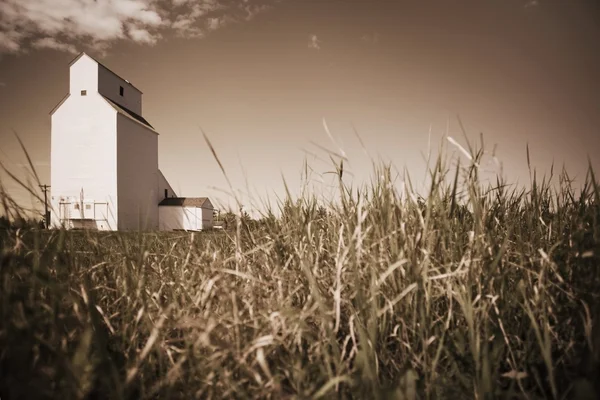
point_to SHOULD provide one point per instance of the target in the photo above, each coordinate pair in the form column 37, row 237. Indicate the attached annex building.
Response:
column 104, row 160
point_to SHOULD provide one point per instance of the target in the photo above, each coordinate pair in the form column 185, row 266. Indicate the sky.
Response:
column 266, row 80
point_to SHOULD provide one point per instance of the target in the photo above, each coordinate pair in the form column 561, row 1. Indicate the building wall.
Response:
column 207, row 215
column 83, row 75
column 170, row 218
column 186, row 218
column 137, row 175
column 83, row 151
column 162, row 185
column 191, row 219
column 207, row 218
column 108, row 85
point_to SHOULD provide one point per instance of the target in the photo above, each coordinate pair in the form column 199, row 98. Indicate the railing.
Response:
column 68, row 220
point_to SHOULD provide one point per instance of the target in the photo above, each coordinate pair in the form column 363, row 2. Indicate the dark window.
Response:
column 121, row 90
column 84, row 92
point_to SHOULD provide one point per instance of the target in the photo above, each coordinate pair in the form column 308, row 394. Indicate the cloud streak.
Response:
column 314, row 42
column 51, row 43
column 64, row 24
column 531, row 3
column 370, row 38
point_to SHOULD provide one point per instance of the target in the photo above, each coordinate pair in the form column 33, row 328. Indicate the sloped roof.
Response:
column 130, row 114
column 184, row 201
column 60, row 103
column 105, row 67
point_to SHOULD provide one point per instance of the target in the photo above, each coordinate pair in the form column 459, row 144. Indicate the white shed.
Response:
column 185, row 213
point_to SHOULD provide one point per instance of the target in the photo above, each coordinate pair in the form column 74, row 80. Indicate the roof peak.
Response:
column 83, row 53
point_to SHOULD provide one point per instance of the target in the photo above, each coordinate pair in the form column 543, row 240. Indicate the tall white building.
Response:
column 104, row 155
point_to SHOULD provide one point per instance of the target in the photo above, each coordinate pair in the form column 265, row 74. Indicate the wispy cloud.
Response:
column 9, row 41
column 253, row 10
column 63, row 24
column 51, row 43
column 314, row 42
column 532, row 3
column 142, row 35
column 214, row 23
column 372, row 38
column 189, row 13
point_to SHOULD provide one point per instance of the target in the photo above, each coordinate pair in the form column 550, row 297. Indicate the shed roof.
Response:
column 185, row 201
column 130, row 114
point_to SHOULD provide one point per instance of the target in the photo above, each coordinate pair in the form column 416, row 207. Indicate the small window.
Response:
column 88, row 206
column 84, row 92
column 76, row 206
column 121, row 90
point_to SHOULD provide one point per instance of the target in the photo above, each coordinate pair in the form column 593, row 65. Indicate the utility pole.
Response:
column 47, row 213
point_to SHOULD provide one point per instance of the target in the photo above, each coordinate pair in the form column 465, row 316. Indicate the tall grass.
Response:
column 473, row 291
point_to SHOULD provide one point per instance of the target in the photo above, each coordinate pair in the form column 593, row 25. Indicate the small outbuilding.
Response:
column 185, row 213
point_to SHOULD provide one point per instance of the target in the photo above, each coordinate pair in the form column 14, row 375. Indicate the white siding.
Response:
column 170, row 218
column 162, row 185
column 137, row 175
column 83, row 156
column 83, row 75
column 207, row 218
column 176, row 217
column 108, row 85
column 191, row 219
column 185, row 218
column 207, row 215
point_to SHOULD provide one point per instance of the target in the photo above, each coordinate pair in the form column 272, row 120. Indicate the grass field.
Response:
column 474, row 291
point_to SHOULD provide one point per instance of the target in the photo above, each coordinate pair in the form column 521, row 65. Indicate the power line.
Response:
column 47, row 214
